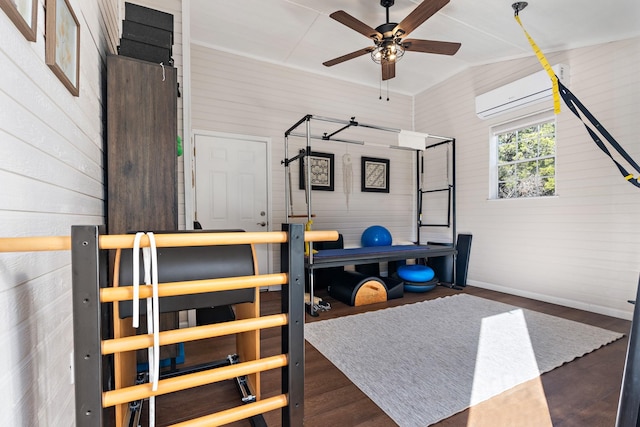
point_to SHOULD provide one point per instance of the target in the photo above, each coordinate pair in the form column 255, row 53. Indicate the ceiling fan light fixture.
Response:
column 389, row 38
column 387, row 52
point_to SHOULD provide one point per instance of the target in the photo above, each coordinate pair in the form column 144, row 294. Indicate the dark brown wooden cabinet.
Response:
column 141, row 166
column 141, row 146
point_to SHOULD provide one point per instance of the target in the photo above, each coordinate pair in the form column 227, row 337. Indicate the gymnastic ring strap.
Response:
column 574, row 104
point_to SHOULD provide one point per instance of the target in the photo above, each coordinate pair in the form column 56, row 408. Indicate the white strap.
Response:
column 146, row 256
column 156, row 310
column 150, row 260
column 136, row 279
column 150, row 257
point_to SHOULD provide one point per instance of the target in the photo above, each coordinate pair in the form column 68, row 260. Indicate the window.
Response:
column 524, row 158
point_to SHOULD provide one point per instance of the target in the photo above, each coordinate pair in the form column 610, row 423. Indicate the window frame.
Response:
column 514, row 125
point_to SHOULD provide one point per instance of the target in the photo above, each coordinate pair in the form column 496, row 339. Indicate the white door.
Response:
column 231, row 186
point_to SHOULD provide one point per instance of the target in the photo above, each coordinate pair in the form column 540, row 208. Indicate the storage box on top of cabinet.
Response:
column 147, row 34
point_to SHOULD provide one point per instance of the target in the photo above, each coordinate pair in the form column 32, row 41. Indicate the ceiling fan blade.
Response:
column 388, row 70
column 424, row 11
column 431, row 46
column 348, row 56
column 344, row 18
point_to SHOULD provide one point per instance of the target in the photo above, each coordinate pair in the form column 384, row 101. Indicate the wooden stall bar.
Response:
column 97, row 299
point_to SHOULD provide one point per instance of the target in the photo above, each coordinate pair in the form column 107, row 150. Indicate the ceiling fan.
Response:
column 389, row 38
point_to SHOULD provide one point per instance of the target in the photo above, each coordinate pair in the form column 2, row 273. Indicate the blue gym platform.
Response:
column 354, row 256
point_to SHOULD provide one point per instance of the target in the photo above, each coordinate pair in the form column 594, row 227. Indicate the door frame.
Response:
column 239, row 137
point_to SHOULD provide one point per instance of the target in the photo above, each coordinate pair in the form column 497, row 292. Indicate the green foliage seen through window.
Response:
column 526, row 161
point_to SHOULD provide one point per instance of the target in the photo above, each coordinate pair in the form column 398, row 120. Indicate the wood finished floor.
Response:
column 581, row 393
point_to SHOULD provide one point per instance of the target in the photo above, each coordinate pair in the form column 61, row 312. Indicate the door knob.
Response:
column 261, row 223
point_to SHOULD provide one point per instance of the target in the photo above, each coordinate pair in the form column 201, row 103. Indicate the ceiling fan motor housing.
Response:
column 387, row 30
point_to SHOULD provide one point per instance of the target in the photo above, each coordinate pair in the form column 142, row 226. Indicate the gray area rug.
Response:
column 424, row 362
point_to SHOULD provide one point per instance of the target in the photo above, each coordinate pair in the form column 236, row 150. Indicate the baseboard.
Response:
column 607, row 311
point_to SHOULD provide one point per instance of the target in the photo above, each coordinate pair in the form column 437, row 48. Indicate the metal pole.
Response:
column 308, row 173
column 453, row 204
column 312, row 310
column 292, row 261
column 629, row 403
column 446, row 138
column 326, row 138
column 418, row 198
column 287, row 174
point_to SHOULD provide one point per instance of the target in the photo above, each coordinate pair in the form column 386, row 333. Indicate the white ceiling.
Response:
column 300, row 33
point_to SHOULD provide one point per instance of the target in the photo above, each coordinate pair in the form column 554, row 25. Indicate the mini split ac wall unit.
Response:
column 527, row 91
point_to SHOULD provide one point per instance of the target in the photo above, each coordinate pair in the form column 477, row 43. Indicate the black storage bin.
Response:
column 145, row 52
column 442, row 265
column 147, row 34
column 147, row 16
column 372, row 269
column 324, row 276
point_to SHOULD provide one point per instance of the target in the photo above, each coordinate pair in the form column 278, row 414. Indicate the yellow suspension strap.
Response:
column 543, row 60
column 577, row 107
column 307, row 227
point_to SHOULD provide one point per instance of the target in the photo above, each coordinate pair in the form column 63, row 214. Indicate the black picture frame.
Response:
column 322, row 171
column 375, row 175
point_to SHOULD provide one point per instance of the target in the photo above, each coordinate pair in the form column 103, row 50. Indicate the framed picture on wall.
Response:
column 375, row 175
column 321, row 167
column 23, row 14
column 62, row 47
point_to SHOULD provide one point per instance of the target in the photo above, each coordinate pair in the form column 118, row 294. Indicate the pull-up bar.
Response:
column 346, row 125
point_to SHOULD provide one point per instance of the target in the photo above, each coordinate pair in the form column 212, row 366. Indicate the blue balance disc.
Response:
column 420, row 287
column 417, row 278
column 415, row 273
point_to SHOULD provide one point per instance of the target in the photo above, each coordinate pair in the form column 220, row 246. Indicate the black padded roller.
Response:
column 345, row 286
column 192, row 263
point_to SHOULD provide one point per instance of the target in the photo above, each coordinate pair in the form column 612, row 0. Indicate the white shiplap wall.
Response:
column 51, row 177
column 581, row 248
column 240, row 95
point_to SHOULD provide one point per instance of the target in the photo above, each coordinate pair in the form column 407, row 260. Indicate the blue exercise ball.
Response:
column 376, row 235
